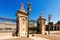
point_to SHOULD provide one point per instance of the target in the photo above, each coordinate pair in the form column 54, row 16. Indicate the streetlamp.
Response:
column 33, row 28
column 49, row 18
column 29, row 9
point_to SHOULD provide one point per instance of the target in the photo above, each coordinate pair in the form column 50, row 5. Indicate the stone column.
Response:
column 27, row 26
column 41, row 26
column 22, row 21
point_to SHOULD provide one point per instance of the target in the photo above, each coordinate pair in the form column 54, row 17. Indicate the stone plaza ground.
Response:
column 52, row 36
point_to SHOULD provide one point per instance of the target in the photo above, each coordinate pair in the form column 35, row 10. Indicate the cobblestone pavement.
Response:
column 2, row 37
column 50, row 37
column 9, row 37
column 38, row 38
column 35, row 37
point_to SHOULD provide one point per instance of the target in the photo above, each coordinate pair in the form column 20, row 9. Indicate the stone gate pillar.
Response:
column 41, row 24
column 22, row 24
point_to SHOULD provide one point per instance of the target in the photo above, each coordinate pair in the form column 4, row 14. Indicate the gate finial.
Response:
column 22, row 7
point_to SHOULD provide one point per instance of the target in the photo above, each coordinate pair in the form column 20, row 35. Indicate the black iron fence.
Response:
column 9, row 25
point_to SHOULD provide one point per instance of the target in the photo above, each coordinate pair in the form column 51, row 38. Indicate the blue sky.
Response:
column 8, row 8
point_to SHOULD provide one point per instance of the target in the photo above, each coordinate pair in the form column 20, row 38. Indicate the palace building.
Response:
column 7, row 25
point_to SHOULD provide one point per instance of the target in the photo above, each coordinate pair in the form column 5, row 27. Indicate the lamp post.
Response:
column 49, row 18
column 33, row 28
column 29, row 9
